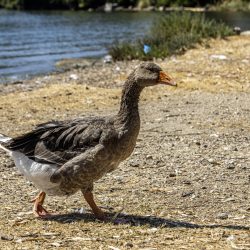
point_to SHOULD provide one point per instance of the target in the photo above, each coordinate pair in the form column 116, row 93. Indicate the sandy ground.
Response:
column 186, row 186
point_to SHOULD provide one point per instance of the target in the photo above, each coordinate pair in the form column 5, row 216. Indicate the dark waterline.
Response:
column 31, row 42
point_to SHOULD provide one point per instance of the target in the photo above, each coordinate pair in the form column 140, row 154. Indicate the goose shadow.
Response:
column 139, row 220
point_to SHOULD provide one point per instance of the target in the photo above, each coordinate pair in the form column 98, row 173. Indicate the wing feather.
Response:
column 58, row 142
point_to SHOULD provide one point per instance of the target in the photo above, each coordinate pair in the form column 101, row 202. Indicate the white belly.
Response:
column 37, row 173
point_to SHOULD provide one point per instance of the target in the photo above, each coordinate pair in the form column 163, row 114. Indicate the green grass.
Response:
column 172, row 34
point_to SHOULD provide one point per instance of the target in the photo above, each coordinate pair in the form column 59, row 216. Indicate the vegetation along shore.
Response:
column 119, row 5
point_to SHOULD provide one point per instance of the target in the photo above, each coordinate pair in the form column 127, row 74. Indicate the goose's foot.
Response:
column 38, row 210
column 99, row 214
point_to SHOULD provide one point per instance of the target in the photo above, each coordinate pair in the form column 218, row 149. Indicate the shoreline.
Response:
column 15, row 69
column 209, row 8
column 97, row 73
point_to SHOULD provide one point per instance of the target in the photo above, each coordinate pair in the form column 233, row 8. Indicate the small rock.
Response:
column 230, row 164
column 6, row 237
column 186, row 194
column 187, row 182
column 81, row 239
column 172, row 174
column 230, row 161
column 107, row 59
column 214, row 135
column 113, row 248
column 134, row 164
column 219, row 57
column 245, row 61
column 148, row 157
column 129, row 244
column 222, row 216
column 212, row 161
column 229, row 199
column 73, row 77
column 158, row 162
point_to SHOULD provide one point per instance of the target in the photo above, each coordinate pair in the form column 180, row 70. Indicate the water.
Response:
column 31, row 42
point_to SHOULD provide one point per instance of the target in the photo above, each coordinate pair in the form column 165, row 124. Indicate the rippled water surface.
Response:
column 31, row 42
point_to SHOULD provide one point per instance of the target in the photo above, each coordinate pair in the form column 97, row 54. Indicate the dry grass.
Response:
column 199, row 69
column 185, row 187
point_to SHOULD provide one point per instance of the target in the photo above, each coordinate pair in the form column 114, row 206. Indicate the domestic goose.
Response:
column 62, row 157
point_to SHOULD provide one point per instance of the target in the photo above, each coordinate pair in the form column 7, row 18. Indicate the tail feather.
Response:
column 4, row 139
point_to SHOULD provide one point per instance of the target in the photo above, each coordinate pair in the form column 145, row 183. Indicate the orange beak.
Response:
column 166, row 79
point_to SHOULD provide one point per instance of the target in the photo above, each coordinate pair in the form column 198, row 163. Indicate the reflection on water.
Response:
column 31, row 42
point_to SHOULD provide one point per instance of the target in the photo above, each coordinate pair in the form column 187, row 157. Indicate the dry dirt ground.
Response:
column 186, row 186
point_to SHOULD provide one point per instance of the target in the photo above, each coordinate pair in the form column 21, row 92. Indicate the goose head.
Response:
column 150, row 74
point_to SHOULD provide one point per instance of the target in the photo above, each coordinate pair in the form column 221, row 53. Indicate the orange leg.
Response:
column 38, row 209
column 96, row 210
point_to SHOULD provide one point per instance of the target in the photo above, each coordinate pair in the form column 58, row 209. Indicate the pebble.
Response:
column 134, row 164
column 172, row 174
column 6, row 237
column 229, row 199
column 113, row 248
column 56, row 244
column 73, row 77
column 212, row 161
column 107, row 59
column 148, row 157
column 219, row 57
column 129, row 244
column 222, row 216
column 186, row 194
column 152, row 230
column 158, row 162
